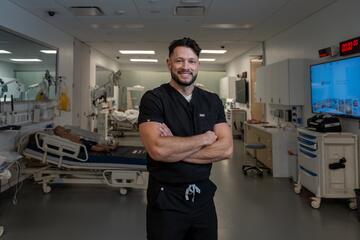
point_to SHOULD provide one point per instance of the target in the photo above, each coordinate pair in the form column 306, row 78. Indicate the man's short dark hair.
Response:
column 185, row 42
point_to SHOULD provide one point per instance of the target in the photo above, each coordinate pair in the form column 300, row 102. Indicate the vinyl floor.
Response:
column 248, row 207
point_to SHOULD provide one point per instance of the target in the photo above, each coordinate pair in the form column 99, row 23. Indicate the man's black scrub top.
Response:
column 166, row 105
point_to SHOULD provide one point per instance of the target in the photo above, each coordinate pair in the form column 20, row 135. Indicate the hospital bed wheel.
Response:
column 352, row 204
column 297, row 188
column 315, row 203
column 46, row 188
column 123, row 191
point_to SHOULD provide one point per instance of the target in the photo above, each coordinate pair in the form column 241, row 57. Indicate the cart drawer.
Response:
column 309, row 162
column 309, row 180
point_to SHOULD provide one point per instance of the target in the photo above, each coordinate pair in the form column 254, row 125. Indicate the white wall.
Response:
column 152, row 79
column 7, row 69
column 81, row 84
column 333, row 24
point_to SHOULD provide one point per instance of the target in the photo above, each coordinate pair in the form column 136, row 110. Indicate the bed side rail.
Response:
column 60, row 147
column 85, row 133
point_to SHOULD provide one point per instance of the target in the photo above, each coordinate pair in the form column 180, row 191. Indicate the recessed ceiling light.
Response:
column 49, row 51
column 120, row 12
column 115, row 26
column 143, row 60
column 214, row 51
column 137, row 51
column 134, row 26
column 4, row 52
column 256, row 60
column 191, row 1
column 227, row 26
column 26, row 60
column 154, row 11
column 85, row 11
column 246, row 26
column 189, row 10
column 207, row 59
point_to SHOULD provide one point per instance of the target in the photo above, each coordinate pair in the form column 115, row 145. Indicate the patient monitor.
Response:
column 100, row 93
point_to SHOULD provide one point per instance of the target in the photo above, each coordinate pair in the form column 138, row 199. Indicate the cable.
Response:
column 19, row 183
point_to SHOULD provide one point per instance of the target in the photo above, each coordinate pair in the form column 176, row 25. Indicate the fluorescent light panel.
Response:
column 137, row 51
column 26, row 60
column 49, row 51
column 207, row 59
column 227, row 26
column 4, row 52
column 143, row 60
column 214, row 51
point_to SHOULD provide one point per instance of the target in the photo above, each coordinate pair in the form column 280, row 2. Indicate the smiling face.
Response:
column 183, row 65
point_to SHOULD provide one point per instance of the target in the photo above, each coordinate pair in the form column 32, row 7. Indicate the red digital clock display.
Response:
column 350, row 46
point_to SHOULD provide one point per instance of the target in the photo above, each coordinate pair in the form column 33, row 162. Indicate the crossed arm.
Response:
column 204, row 148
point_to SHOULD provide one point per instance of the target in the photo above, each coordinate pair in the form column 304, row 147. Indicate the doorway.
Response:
column 257, row 109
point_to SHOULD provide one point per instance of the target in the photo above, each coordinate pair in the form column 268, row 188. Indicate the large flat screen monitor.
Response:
column 335, row 87
column 242, row 91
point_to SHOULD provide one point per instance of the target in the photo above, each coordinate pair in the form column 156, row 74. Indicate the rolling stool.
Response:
column 258, row 169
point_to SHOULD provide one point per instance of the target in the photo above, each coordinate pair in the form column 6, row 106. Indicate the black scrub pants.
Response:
column 169, row 216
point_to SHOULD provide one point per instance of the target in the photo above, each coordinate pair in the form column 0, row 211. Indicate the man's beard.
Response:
column 184, row 84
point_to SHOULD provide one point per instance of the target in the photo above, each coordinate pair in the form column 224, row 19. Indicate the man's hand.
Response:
column 219, row 150
column 209, row 138
column 162, row 145
column 165, row 131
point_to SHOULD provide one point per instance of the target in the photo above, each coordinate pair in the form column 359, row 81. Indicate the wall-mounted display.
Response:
column 335, row 87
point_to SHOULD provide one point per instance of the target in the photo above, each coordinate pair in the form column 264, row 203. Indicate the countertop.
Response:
column 270, row 128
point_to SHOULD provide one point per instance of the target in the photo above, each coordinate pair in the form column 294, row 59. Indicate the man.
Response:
column 184, row 131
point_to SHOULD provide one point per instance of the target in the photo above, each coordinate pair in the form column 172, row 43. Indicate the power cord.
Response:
column 19, row 183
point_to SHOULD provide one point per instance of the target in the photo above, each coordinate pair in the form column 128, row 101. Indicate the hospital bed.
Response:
column 69, row 162
column 120, row 122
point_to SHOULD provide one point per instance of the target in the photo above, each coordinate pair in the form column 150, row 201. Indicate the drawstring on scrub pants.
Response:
column 191, row 190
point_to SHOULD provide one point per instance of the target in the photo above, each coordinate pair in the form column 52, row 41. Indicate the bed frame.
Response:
column 57, row 170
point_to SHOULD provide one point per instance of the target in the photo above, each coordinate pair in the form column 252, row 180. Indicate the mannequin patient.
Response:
column 90, row 145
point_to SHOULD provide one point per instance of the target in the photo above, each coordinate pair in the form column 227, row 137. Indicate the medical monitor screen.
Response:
column 242, row 92
column 335, row 87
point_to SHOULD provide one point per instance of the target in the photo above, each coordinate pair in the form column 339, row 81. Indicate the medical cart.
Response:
column 327, row 165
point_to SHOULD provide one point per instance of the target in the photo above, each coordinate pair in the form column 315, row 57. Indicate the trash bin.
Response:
column 357, row 192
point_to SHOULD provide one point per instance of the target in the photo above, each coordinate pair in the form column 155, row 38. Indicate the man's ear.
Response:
column 168, row 63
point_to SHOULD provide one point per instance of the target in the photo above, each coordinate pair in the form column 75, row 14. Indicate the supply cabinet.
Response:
column 327, row 165
column 282, row 82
